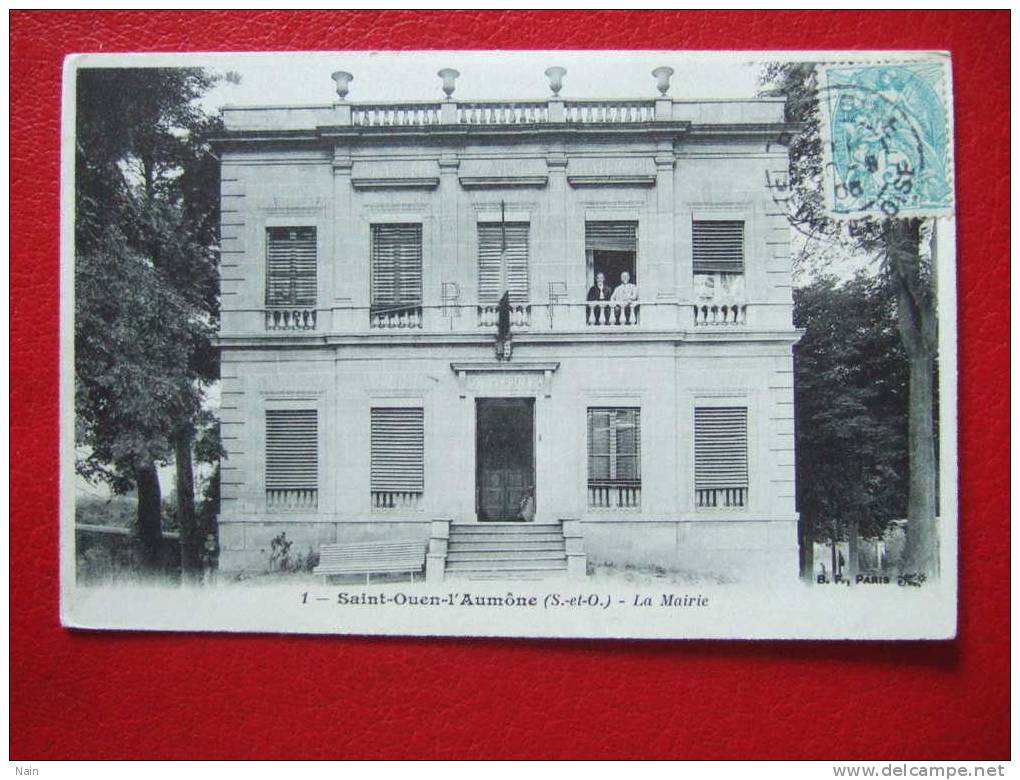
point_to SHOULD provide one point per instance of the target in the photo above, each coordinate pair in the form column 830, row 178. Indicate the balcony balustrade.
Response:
column 404, row 317
column 392, row 499
column 722, row 314
column 520, row 316
column 468, row 317
column 721, row 498
column 292, row 500
column 612, row 495
column 290, row 319
column 601, row 314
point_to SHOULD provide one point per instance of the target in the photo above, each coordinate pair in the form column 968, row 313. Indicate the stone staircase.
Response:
column 505, row 551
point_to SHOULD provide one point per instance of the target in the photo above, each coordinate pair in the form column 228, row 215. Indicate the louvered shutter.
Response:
column 490, row 247
column 292, row 449
column 614, row 445
column 720, row 448
column 599, row 466
column 611, row 236
column 291, row 266
column 718, row 246
column 398, row 450
column 628, row 445
column 396, row 266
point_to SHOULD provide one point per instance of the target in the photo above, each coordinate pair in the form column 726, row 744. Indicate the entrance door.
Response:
column 505, row 454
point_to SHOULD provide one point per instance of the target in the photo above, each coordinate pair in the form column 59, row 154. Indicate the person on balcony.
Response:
column 625, row 293
column 600, row 291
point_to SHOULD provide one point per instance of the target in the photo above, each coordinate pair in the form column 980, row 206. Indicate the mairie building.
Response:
column 538, row 336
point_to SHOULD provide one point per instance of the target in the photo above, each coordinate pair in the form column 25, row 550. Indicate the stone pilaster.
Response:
column 343, row 292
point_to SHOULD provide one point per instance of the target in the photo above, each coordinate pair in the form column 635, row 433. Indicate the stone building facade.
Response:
column 367, row 394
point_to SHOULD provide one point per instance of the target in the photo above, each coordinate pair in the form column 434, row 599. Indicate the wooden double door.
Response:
column 505, row 458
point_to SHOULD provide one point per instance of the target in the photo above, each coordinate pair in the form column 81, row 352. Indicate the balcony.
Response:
column 612, row 315
column 614, row 495
column 720, row 314
column 292, row 500
column 396, row 318
column 721, row 498
column 290, row 318
column 393, row 499
column 708, row 319
column 520, row 316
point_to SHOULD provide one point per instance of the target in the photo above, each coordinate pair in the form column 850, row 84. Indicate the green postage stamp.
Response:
column 887, row 138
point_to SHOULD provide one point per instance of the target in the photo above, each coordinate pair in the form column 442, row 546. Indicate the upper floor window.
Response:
column 291, row 278
column 396, row 275
column 611, row 250
column 611, row 258
column 502, row 262
column 292, row 459
column 718, row 258
column 614, row 457
column 720, row 456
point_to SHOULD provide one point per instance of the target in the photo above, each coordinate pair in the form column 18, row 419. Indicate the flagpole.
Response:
column 502, row 248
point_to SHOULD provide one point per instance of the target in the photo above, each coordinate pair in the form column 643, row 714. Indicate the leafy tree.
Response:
column 851, row 377
column 146, row 198
column 908, row 270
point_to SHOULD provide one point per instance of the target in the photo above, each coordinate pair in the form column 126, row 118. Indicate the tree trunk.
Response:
column 916, row 316
column 807, row 549
column 150, row 530
column 835, row 555
column 191, row 541
column 853, row 555
column 920, row 552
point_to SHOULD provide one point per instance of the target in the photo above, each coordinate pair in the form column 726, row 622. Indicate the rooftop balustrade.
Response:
column 454, row 112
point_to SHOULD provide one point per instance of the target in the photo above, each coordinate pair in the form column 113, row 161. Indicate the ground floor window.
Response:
column 720, row 456
column 614, row 458
column 398, row 457
column 292, row 459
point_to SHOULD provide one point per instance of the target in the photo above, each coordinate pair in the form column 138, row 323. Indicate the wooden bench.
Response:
column 370, row 558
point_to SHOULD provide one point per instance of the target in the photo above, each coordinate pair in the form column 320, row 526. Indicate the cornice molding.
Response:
column 405, row 183
column 611, row 181
column 487, row 182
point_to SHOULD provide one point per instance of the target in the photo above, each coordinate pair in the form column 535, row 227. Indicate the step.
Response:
column 543, row 546
column 505, row 555
column 507, row 528
column 508, row 537
column 498, row 566
column 516, row 576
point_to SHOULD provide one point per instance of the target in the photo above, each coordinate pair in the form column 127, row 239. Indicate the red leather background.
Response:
column 119, row 695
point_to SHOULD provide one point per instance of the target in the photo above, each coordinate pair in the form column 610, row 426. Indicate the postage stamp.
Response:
column 887, row 138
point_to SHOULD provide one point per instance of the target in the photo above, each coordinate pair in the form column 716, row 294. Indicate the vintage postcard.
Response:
column 540, row 344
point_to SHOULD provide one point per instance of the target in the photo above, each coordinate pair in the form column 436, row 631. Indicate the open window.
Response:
column 611, row 262
column 611, row 250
